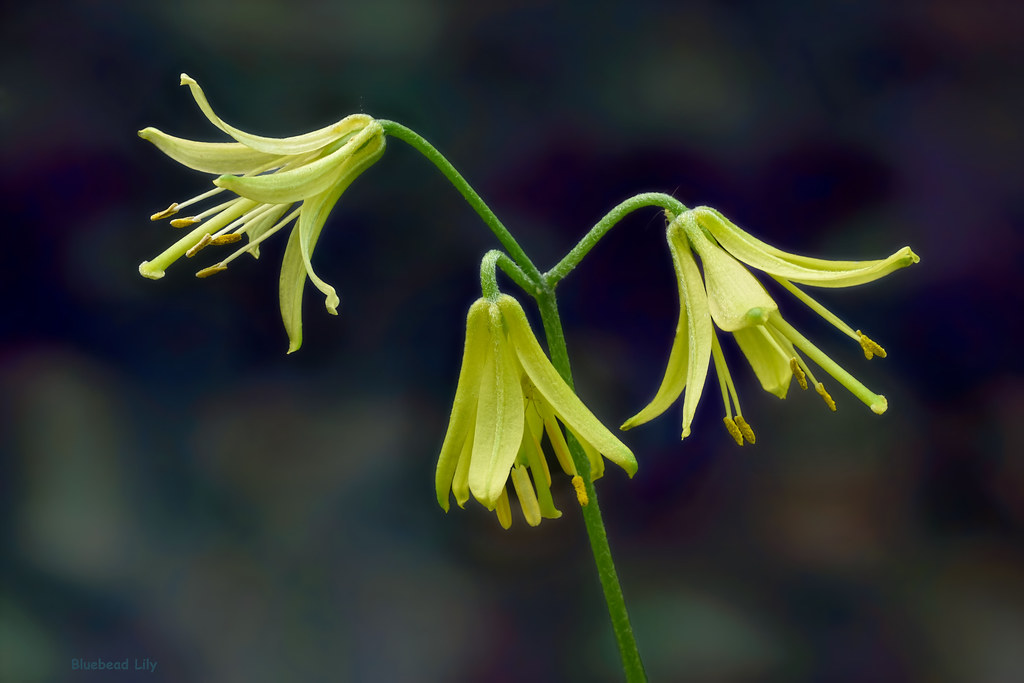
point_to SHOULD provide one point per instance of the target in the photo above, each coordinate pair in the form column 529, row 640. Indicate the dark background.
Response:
column 173, row 486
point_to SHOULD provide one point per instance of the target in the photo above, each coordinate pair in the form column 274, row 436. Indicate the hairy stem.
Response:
column 397, row 130
column 488, row 274
column 631, row 662
column 572, row 259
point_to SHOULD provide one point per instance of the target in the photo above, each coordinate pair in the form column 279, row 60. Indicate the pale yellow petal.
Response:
column 297, row 144
column 804, row 269
column 341, row 166
column 769, row 360
column 209, row 157
column 463, row 415
column 499, row 418
column 556, row 393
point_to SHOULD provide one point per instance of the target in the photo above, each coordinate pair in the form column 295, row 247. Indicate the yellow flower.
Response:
column 508, row 397
column 731, row 298
column 265, row 177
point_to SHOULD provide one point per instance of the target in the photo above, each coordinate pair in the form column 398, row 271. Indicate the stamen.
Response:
column 221, row 207
column 734, row 430
column 199, row 197
column 825, row 395
column 245, row 219
column 207, row 238
column 869, row 346
column 745, row 429
column 716, row 352
column 503, row 510
column 798, row 372
column 185, row 222
column 869, row 398
column 212, row 270
column 229, row 238
column 166, row 213
column 581, row 490
column 527, row 496
column 254, row 243
column 816, row 307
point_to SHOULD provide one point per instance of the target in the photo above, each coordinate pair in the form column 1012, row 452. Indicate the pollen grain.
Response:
column 744, row 428
column 734, row 430
column 869, row 346
column 212, row 270
column 825, row 395
column 798, row 372
column 207, row 238
column 581, row 490
column 166, row 213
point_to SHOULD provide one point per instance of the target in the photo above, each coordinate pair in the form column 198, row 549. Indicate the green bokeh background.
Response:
column 173, row 486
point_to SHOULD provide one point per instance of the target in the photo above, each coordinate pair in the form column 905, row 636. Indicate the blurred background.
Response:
column 173, row 486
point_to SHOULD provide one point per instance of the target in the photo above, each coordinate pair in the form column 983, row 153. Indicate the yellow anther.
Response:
column 184, row 222
column 207, row 238
column 744, row 428
column 825, row 395
column 212, row 270
column 581, row 490
column 798, row 372
column 166, row 213
column 870, row 347
column 733, row 430
column 227, row 238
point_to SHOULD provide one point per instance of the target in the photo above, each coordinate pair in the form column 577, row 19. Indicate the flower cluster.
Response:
column 508, row 397
column 264, row 178
column 730, row 297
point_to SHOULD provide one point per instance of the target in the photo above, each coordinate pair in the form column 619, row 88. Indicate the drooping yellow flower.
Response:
column 508, row 397
column 264, row 178
column 729, row 297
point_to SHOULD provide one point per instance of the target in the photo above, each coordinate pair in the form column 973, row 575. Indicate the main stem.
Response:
column 631, row 662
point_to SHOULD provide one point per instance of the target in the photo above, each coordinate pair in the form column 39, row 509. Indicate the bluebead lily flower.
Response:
column 729, row 297
column 264, row 178
column 508, row 397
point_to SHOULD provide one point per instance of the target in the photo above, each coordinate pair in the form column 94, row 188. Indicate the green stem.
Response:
column 488, row 275
column 572, row 259
column 631, row 662
column 413, row 139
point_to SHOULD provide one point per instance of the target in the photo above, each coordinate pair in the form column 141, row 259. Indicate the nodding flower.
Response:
column 266, row 184
column 729, row 297
column 509, row 396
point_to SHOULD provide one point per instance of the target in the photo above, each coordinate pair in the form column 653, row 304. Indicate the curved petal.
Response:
column 311, row 222
column 804, row 269
column 693, row 338
column 291, row 284
column 208, row 157
column 499, row 417
column 313, row 178
column 297, row 144
column 562, row 400
column 769, row 360
column 467, row 391
column 735, row 298
column 527, row 496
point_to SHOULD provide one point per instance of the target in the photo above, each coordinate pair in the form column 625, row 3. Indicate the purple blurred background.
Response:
column 173, row 486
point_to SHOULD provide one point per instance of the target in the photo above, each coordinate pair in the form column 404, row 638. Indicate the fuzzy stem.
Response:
column 572, row 259
column 631, row 662
column 413, row 139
